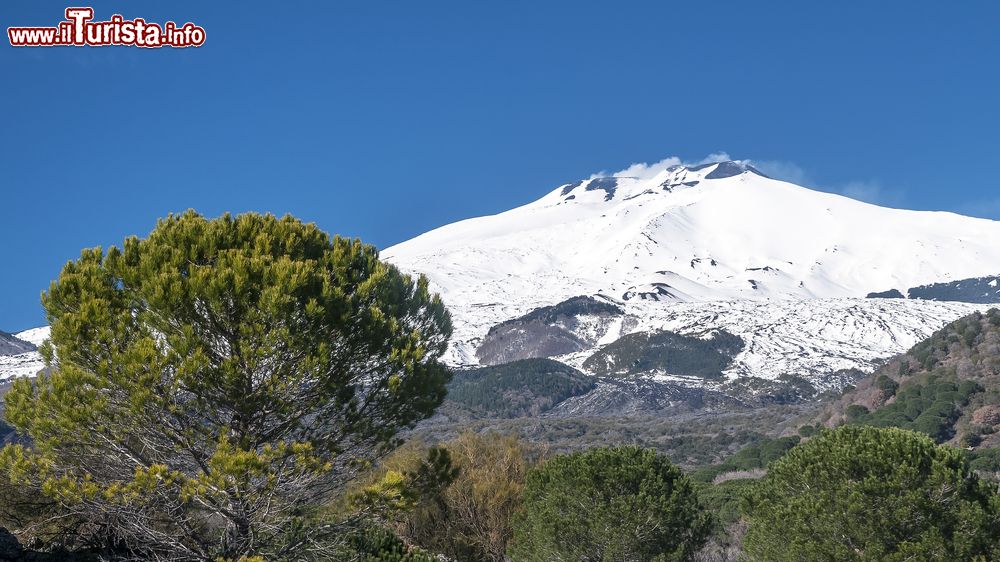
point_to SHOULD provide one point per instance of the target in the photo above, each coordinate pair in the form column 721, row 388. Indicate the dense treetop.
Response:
column 211, row 379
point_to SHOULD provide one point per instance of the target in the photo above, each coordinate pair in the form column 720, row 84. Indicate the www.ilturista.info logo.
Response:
column 79, row 30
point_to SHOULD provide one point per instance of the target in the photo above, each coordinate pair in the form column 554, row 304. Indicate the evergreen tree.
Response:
column 604, row 505
column 865, row 494
column 212, row 381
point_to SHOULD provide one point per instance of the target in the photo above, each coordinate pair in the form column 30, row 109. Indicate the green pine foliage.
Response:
column 754, row 456
column 622, row 503
column 861, row 493
column 212, row 381
column 936, row 387
column 931, row 408
column 993, row 317
column 724, row 501
column 855, row 412
column 887, row 385
column 377, row 544
column 985, row 460
column 521, row 388
column 961, row 334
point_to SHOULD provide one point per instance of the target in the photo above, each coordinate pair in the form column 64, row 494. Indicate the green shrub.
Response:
column 855, row 412
column 623, row 503
column 753, row 456
column 376, row 544
column 724, row 501
column 993, row 315
column 865, row 494
column 970, row 440
column 985, row 460
column 931, row 408
column 886, row 385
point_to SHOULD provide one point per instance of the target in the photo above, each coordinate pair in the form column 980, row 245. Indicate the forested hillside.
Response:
column 523, row 388
column 947, row 386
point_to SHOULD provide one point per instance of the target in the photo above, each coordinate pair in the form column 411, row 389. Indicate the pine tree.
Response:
column 212, row 381
column 605, row 504
column 864, row 493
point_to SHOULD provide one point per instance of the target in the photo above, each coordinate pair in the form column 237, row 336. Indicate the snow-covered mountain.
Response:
column 24, row 361
column 695, row 250
column 717, row 246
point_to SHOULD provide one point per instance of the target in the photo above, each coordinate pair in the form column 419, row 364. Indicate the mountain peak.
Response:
column 726, row 169
column 715, row 231
column 716, row 169
column 623, row 186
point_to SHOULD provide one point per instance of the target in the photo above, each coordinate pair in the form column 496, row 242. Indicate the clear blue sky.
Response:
column 383, row 120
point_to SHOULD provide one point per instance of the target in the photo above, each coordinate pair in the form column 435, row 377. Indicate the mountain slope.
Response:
column 573, row 325
column 947, row 386
column 21, row 358
column 12, row 345
column 814, row 338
